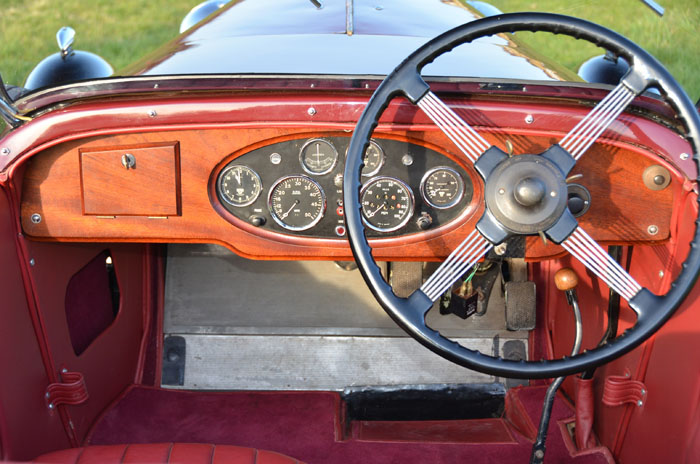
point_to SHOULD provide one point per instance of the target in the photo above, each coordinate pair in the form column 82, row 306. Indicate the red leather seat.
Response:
column 185, row 453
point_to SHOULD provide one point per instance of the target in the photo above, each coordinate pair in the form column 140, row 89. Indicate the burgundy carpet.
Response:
column 306, row 426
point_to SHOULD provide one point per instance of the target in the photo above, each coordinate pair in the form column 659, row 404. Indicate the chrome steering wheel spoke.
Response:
column 468, row 253
column 587, row 131
column 455, row 128
column 587, row 250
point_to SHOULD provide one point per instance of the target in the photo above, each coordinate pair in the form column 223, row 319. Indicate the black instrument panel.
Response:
column 295, row 187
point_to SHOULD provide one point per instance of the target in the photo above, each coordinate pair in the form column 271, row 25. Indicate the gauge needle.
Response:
column 296, row 202
column 369, row 215
column 237, row 175
column 318, row 154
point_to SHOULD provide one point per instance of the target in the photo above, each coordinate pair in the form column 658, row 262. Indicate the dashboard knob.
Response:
column 424, row 221
column 257, row 221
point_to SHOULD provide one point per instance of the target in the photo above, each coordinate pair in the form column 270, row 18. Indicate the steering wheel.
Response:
column 524, row 194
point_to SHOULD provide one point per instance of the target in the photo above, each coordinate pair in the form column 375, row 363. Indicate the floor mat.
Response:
column 304, row 425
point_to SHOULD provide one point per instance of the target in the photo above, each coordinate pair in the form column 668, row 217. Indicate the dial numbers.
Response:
column 442, row 187
column 318, row 156
column 373, row 159
column 239, row 185
column 296, row 202
column 387, row 204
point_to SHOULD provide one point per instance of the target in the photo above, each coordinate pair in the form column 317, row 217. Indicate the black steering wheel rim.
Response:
column 409, row 313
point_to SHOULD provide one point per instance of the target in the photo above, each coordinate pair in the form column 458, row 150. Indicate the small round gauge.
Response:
column 373, row 160
column 387, row 204
column 318, row 156
column 239, row 185
column 296, row 202
column 442, row 187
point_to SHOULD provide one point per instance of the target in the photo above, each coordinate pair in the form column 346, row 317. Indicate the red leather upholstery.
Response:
column 161, row 453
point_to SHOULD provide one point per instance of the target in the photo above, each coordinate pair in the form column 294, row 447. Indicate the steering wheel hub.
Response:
column 526, row 194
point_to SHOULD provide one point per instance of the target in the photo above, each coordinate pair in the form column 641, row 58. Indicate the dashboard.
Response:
column 262, row 174
column 296, row 186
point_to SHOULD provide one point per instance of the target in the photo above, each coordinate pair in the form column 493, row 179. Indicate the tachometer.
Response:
column 387, row 204
column 239, row 185
column 442, row 187
column 296, row 202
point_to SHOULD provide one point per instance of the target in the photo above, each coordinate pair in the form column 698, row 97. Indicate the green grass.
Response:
column 672, row 39
column 122, row 31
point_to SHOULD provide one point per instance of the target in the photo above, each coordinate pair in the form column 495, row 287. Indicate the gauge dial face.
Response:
column 387, row 204
column 373, row 160
column 296, row 202
column 442, row 187
column 318, row 156
column 239, row 185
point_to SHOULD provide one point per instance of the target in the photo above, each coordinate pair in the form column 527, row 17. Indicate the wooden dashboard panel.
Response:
column 621, row 211
column 133, row 180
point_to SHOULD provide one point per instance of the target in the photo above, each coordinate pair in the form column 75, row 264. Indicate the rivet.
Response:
column 155, row 86
column 661, row 273
column 500, row 249
column 36, row 218
column 501, row 191
column 539, row 454
column 64, row 371
column 32, row 262
column 529, row 119
column 644, row 392
column 313, row 85
column 367, row 86
column 684, row 156
column 152, row 113
column 640, row 403
column 311, row 111
column 5, row 151
column 50, row 405
column 552, row 194
column 653, row 230
column 47, row 395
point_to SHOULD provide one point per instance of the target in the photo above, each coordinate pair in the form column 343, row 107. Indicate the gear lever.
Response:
column 566, row 280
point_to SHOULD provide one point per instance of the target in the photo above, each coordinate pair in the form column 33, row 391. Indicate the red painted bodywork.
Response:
column 618, row 428
column 34, row 338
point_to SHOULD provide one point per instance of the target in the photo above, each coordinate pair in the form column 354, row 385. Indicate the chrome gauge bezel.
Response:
column 311, row 171
column 411, row 208
column 279, row 221
column 223, row 196
column 382, row 159
column 452, row 203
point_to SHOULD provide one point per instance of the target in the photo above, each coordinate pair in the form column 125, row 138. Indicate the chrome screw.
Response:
column 500, row 249
column 311, row 111
column 529, row 119
column 661, row 274
column 152, row 113
column 36, row 218
column 684, row 156
column 32, row 262
column 407, row 160
column 5, row 151
column 640, row 403
column 653, row 230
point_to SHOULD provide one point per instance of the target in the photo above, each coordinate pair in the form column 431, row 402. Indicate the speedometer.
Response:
column 387, row 204
column 296, row 202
